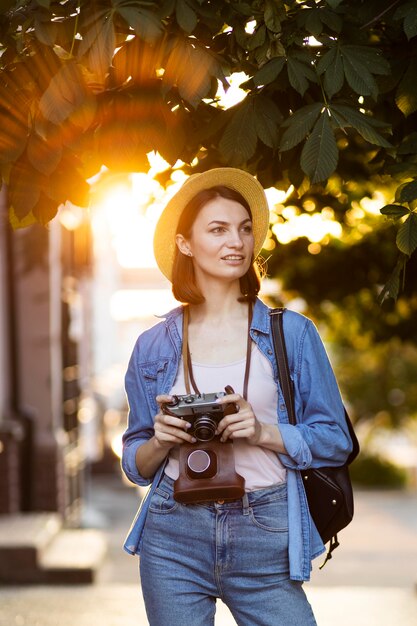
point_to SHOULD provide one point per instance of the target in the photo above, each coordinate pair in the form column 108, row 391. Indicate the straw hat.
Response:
column 242, row 182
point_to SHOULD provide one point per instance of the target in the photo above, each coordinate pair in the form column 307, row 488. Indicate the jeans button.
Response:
column 220, row 501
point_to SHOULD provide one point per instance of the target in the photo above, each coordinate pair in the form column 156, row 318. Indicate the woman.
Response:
column 254, row 551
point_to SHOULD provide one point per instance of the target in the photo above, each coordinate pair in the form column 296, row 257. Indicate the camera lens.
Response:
column 205, row 428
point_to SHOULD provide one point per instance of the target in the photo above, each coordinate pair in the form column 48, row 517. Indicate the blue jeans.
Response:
column 236, row 551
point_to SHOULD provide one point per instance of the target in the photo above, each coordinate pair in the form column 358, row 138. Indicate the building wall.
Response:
column 4, row 370
column 11, row 432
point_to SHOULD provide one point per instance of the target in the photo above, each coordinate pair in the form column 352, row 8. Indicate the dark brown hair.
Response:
column 184, row 286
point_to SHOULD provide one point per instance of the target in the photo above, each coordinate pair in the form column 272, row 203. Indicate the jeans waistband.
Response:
column 277, row 491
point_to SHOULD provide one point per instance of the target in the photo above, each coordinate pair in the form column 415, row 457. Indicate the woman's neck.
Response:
column 219, row 304
column 217, row 331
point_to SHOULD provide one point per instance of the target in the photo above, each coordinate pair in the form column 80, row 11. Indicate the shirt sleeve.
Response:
column 140, row 421
column 320, row 437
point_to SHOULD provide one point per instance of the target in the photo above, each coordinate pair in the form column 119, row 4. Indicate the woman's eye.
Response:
column 247, row 228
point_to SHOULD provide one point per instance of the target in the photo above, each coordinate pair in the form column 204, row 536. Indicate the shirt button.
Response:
column 255, row 332
column 269, row 351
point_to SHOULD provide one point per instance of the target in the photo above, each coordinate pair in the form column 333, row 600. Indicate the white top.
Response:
column 259, row 467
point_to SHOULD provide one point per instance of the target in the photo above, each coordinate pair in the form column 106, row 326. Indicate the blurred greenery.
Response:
column 374, row 471
column 372, row 346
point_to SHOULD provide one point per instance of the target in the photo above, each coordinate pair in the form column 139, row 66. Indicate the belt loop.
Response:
column 245, row 504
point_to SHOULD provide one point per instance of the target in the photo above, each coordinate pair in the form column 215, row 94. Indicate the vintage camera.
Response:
column 201, row 410
column 206, row 468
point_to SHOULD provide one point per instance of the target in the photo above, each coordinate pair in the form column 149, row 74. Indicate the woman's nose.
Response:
column 235, row 239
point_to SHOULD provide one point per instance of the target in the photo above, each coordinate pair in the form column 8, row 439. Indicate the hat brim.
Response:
column 236, row 179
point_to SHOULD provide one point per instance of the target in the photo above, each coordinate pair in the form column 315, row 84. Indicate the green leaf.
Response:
column 269, row 72
column 99, row 42
column 332, row 20
column 42, row 155
column 45, row 209
column 395, row 211
column 364, row 125
column 186, row 16
column 320, row 154
column 313, row 23
column 46, row 32
column 257, row 39
column 24, row 222
column 102, row 51
column 13, row 136
column 408, row 12
column 332, row 66
column 86, row 19
column 24, row 188
column 267, row 120
column 263, row 53
column 166, row 8
column 299, row 125
column 408, row 145
column 273, row 16
column 406, row 96
column 334, row 3
column 299, row 74
column 65, row 93
column 410, row 23
column 146, row 25
column 408, row 193
column 238, row 143
column 357, row 74
column 174, row 138
column 359, row 63
column 327, row 60
column 190, row 68
column 392, row 287
column 369, row 57
column 407, row 235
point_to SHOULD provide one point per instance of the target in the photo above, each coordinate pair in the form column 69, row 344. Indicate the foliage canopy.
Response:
column 331, row 95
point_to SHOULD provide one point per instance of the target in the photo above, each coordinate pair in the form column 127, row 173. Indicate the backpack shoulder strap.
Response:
column 278, row 339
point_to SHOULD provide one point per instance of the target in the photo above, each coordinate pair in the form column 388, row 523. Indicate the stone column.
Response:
column 37, row 267
column 10, row 430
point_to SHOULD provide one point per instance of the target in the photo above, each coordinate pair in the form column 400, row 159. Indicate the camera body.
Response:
column 207, row 467
column 201, row 410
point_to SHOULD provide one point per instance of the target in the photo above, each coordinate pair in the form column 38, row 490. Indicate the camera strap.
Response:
column 186, row 355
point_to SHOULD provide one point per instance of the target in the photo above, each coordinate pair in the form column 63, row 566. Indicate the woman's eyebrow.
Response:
column 223, row 223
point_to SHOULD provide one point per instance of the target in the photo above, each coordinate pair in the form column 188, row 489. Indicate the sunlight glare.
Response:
column 277, row 196
column 234, row 94
column 136, row 304
column 314, row 227
column 70, row 215
column 130, row 210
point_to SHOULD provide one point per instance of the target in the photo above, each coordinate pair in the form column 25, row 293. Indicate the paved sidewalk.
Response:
column 371, row 580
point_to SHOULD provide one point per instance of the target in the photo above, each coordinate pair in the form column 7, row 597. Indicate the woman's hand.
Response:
column 240, row 425
column 170, row 430
column 244, row 424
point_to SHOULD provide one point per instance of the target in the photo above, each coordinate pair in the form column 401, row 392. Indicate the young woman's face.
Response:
column 221, row 241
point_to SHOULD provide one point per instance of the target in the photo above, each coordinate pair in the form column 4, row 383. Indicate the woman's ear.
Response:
column 182, row 245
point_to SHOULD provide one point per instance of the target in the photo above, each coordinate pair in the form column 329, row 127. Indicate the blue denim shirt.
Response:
column 320, row 437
